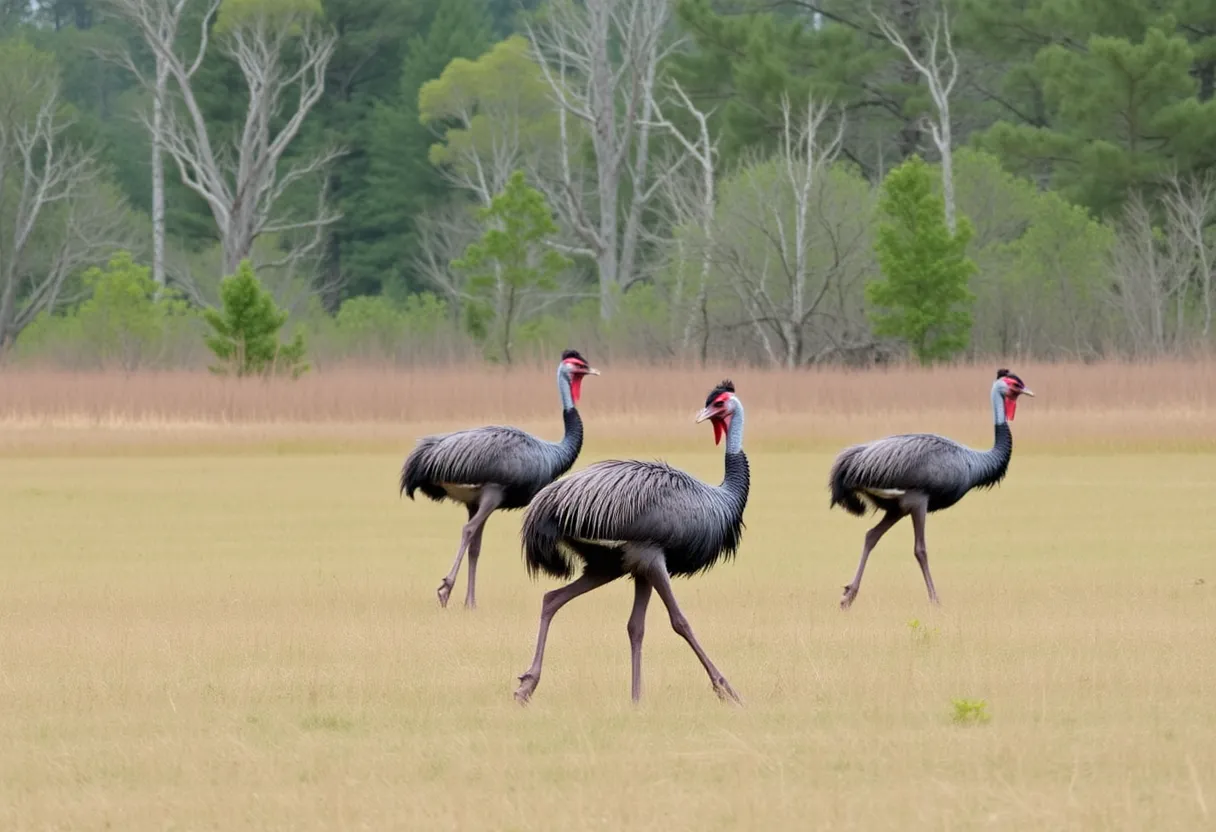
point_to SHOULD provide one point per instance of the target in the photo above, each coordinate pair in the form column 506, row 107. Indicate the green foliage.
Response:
column 1121, row 114
column 375, row 325
column 924, row 299
column 1042, row 261
column 127, row 316
column 246, row 330
column 510, row 261
column 501, row 95
column 970, row 711
column 27, row 75
column 125, row 321
column 401, row 183
column 262, row 14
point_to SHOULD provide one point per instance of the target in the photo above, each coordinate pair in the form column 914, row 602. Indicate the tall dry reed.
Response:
column 1115, row 404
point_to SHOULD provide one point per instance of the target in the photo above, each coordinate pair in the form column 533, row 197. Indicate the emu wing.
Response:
column 630, row 501
column 496, row 454
column 916, row 461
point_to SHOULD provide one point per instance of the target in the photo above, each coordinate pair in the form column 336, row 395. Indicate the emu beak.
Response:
column 704, row 414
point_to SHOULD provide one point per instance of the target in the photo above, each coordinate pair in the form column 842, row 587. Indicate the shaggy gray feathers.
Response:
column 647, row 503
column 923, row 461
column 495, row 453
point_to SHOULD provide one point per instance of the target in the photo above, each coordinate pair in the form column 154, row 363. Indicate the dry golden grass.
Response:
column 217, row 614
column 1114, row 406
column 251, row 641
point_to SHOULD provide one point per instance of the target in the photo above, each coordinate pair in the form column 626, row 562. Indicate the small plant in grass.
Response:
column 922, row 633
column 970, row 711
column 247, row 325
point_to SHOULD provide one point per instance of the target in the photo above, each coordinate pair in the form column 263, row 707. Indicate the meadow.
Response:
column 217, row 613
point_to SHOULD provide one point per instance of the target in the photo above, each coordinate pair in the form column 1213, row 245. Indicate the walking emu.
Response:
column 495, row 467
column 920, row 473
column 645, row 519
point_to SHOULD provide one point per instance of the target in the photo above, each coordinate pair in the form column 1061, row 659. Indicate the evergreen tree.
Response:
column 401, row 181
column 923, row 298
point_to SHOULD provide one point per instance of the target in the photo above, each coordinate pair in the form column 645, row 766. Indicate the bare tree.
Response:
column 56, row 217
column 1152, row 268
column 167, row 25
column 1190, row 206
column 601, row 59
column 791, row 240
column 282, row 52
column 444, row 234
column 941, row 74
column 694, row 204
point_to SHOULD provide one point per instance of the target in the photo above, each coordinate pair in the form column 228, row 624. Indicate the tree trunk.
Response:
column 158, row 172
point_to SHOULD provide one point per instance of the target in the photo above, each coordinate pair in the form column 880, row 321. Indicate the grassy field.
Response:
column 212, row 622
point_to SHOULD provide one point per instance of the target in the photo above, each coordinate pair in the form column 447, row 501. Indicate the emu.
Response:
column 920, row 473
column 643, row 519
column 495, row 467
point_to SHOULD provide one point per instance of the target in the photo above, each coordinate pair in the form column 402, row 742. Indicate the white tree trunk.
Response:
column 282, row 58
column 601, row 58
column 158, row 172
column 941, row 75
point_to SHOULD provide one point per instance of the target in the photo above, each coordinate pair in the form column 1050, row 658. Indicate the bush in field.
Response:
column 127, row 320
column 246, row 330
column 377, row 327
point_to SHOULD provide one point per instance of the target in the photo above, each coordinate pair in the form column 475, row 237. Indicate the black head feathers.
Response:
column 726, row 386
column 573, row 354
column 1003, row 373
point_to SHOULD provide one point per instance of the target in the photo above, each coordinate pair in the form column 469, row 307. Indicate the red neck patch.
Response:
column 1011, row 406
column 576, row 386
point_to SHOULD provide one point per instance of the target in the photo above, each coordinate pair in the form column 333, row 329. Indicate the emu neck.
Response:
column 572, row 439
column 737, row 478
column 734, row 435
column 998, row 405
column 992, row 464
column 563, row 389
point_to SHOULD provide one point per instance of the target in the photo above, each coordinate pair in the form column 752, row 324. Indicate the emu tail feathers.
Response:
column 542, row 552
column 413, row 474
column 843, row 493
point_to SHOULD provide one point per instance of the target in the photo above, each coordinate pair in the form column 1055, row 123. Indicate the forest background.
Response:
column 772, row 183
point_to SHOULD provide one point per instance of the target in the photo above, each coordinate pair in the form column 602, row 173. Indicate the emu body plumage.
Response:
column 920, row 473
column 494, row 467
column 592, row 516
column 456, row 466
column 883, row 471
column 643, row 519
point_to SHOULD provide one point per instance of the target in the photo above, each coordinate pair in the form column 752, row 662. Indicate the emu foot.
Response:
column 725, row 691
column 445, row 589
column 846, row 600
column 527, row 684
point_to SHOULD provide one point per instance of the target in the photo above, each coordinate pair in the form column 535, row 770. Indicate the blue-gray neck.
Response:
column 563, row 388
column 734, row 436
column 737, row 479
column 989, row 467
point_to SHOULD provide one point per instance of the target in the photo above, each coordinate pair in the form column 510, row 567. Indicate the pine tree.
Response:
column 923, row 298
column 401, row 181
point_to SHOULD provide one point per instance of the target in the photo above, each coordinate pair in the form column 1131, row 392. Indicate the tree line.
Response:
column 785, row 183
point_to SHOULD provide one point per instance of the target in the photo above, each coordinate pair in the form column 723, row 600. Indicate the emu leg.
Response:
column 636, row 629
column 872, row 537
column 470, row 598
column 554, row 601
column 922, row 554
column 491, row 498
column 662, row 585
